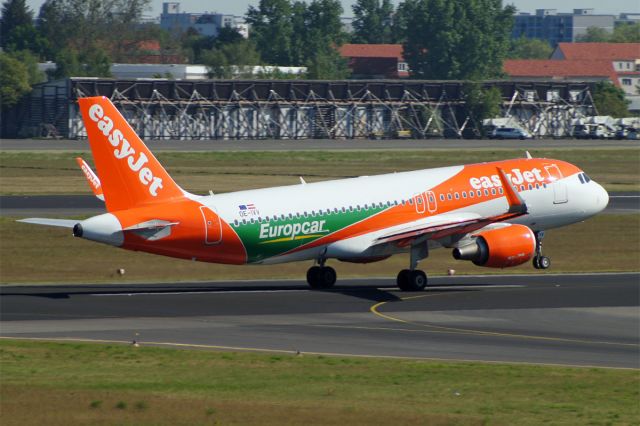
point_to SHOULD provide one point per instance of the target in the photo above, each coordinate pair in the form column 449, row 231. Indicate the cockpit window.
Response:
column 584, row 178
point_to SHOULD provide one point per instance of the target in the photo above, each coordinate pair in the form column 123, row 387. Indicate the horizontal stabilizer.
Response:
column 62, row 223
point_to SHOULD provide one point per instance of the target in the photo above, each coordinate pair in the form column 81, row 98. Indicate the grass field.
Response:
column 65, row 384
column 57, row 172
column 603, row 243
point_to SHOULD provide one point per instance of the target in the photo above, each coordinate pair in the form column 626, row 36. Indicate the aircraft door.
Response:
column 212, row 226
column 419, row 202
column 560, row 192
column 432, row 205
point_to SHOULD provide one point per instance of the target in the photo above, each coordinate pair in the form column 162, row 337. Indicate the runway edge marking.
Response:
column 332, row 354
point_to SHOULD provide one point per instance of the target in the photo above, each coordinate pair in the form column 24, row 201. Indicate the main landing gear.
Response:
column 321, row 277
column 540, row 261
column 413, row 279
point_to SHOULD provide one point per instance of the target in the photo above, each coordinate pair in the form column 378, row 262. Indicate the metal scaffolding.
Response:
column 299, row 109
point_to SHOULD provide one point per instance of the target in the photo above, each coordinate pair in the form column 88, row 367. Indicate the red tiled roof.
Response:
column 558, row 68
column 598, row 51
column 371, row 51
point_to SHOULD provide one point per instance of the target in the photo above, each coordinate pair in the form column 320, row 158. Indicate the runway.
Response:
column 77, row 205
column 581, row 320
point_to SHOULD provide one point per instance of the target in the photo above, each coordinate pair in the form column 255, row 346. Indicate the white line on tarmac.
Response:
column 217, row 291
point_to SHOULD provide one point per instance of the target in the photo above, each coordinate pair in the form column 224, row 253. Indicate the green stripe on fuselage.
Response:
column 274, row 237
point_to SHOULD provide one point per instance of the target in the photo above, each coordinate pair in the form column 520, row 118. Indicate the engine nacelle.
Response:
column 500, row 248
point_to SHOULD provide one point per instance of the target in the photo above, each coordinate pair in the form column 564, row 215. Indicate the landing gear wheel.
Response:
column 540, row 261
column 415, row 280
column 544, row 262
column 321, row 277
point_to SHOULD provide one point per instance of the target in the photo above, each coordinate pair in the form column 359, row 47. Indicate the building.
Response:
column 554, row 27
column 207, row 24
column 616, row 62
column 368, row 61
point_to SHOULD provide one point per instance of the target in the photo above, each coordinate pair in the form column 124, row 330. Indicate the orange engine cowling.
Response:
column 500, row 248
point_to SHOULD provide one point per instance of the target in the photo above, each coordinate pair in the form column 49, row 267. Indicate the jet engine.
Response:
column 499, row 248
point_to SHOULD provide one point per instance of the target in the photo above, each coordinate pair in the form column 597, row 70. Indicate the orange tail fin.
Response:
column 129, row 173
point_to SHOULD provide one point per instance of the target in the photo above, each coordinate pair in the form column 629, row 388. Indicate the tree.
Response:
column 91, row 63
column 17, row 31
column 456, row 39
column 372, row 21
column 231, row 60
column 327, row 65
column 529, row 48
column 623, row 33
column 30, row 61
column 86, row 25
column 610, row 100
column 14, row 80
column 594, row 35
column 271, row 30
column 626, row 33
column 481, row 103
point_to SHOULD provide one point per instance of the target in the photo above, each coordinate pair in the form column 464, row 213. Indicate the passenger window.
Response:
column 441, row 197
column 472, row 194
column 479, row 193
column 493, row 191
column 464, row 194
column 235, row 222
column 457, row 196
column 344, row 210
column 411, row 201
column 500, row 190
column 530, row 187
column 522, row 188
column 449, row 197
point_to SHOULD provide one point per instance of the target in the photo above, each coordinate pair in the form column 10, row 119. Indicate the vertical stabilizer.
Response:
column 129, row 173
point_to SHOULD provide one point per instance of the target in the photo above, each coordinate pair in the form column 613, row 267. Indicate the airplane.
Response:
column 493, row 214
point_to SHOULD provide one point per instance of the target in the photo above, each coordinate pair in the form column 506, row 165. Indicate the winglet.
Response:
column 516, row 203
column 302, row 181
column 528, row 155
column 92, row 178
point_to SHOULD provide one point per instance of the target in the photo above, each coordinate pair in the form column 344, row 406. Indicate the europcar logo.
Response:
column 292, row 231
column 124, row 150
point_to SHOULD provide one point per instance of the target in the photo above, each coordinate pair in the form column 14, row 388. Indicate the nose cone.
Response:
column 600, row 198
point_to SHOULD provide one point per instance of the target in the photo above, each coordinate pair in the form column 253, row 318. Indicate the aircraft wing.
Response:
column 444, row 225
column 92, row 178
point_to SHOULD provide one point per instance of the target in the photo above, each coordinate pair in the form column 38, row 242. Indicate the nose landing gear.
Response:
column 540, row 261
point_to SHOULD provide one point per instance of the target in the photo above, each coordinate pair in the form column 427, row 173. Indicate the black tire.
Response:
column 412, row 280
column 403, row 280
column 544, row 262
column 536, row 262
column 327, row 277
column 313, row 277
column 321, row 277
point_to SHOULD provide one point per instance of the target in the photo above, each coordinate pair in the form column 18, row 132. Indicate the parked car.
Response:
column 633, row 134
column 509, row 133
